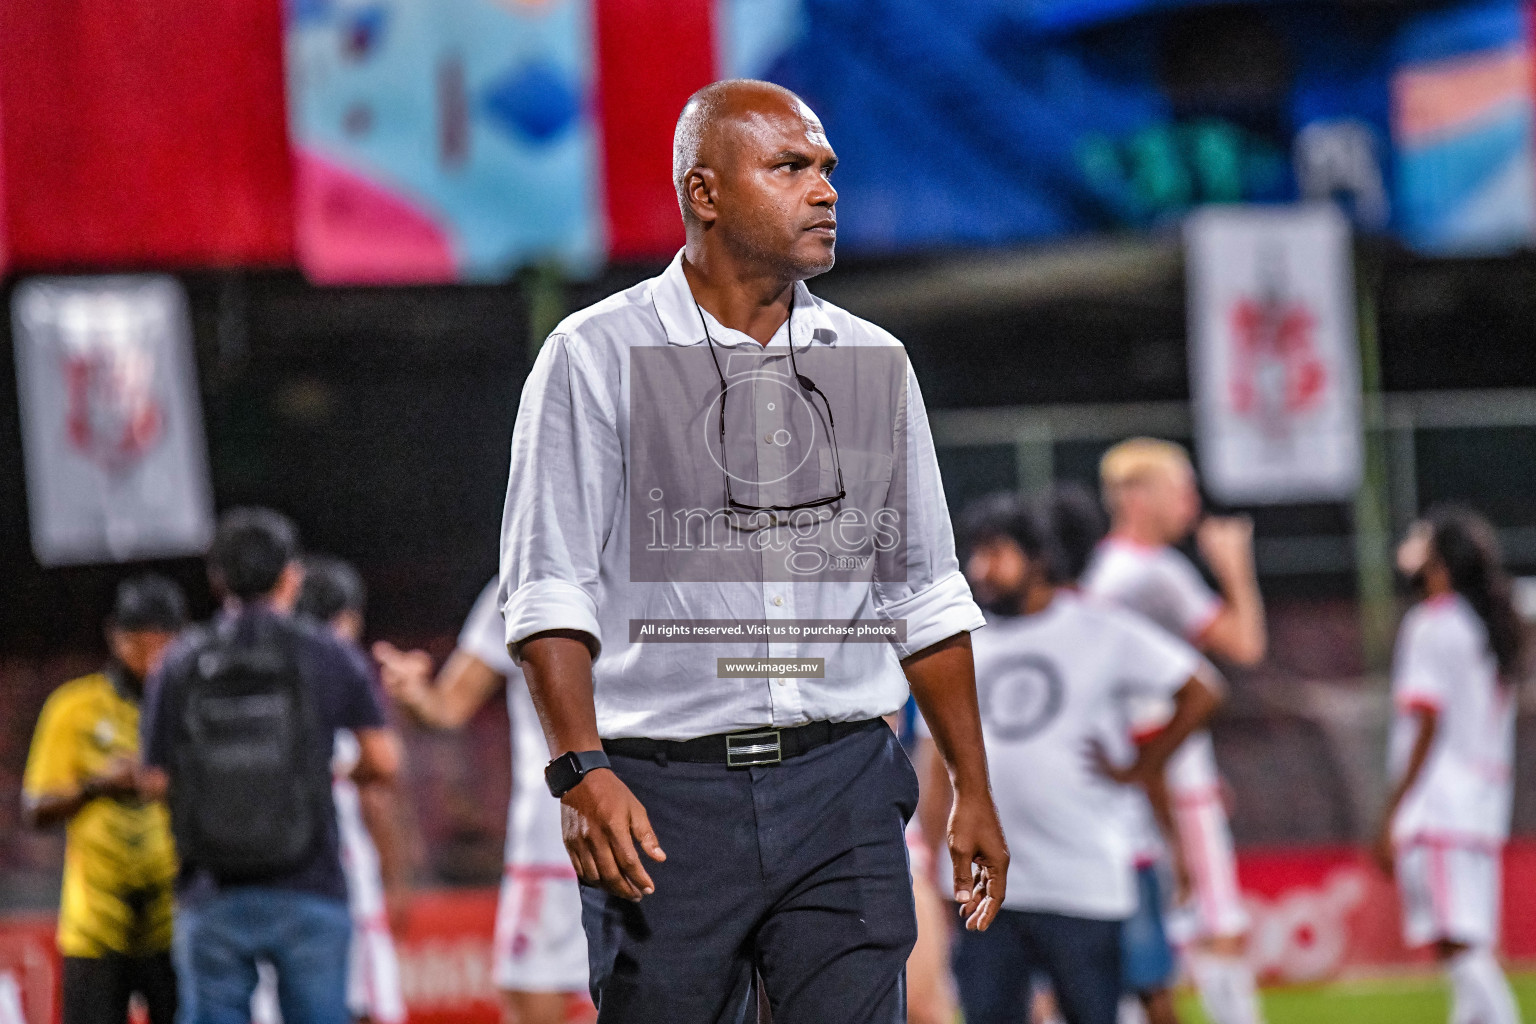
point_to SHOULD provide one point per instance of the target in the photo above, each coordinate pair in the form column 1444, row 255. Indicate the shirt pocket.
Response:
column 864, row 472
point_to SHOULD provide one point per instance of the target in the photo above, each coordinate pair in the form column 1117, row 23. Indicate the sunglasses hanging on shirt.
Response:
column 807, row 386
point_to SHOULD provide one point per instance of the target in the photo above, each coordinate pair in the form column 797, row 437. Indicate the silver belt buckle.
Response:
column 750, row 749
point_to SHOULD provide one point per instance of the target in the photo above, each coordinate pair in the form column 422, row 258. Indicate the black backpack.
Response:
column 250, row 797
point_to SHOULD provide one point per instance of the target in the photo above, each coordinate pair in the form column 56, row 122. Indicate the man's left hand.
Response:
column 979, row 853
column 1101, row 764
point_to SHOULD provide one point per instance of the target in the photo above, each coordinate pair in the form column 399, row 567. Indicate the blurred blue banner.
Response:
column 991, row 123
column 459, row 139
column 1462, row 115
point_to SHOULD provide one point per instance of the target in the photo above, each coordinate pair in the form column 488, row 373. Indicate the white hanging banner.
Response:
column 1274, row 359
column 112, row 428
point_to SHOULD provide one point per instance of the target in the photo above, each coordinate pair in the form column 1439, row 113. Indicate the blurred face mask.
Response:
column 1413, row 555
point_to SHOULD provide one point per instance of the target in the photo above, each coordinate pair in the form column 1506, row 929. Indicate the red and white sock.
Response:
column 1479, row 990
column 1227, row 988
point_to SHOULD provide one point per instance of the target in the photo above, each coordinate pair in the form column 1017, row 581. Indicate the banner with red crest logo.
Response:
column 1274, row 360
column 112, row 429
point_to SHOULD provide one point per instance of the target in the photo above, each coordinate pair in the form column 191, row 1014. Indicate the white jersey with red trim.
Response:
column 1157, row 582
column 1162, row 585
column 533, row 818
column 359, row 857
column 373, row 967
column 1465, row 791
column 1049, row 685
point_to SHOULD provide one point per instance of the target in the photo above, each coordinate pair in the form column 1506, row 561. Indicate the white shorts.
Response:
column 540, row 945
column 1449, row 891
column 1215, row 907
column 373, row 974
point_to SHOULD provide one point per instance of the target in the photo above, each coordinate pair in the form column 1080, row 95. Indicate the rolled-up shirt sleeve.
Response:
column 933, row 597
column 562, row 490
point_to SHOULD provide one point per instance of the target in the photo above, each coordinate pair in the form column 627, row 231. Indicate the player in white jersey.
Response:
column 1153, row 504
column 1458, row 655
column 1057, row 675
column 540, row 949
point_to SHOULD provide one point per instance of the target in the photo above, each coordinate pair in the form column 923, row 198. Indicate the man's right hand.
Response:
column 118, row 779
column 601, row 822
column 406, row 675
column 1226, row 544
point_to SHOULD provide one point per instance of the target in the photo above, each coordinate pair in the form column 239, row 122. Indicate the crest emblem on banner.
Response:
column 1276, row 373
column 111, row 424
column 107, row 356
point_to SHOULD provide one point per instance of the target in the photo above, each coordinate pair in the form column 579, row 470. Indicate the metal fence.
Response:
column 1302, row 741
column 1472, row 446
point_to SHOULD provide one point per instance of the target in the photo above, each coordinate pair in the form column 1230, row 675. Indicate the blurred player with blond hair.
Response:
column 1459, row 655
column 1151, row 495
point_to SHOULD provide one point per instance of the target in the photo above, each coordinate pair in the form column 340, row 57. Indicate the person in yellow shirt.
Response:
column 119, row 860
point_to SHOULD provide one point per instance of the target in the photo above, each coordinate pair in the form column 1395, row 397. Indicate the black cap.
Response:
column 149, row 603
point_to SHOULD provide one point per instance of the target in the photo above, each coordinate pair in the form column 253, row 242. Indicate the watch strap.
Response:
column 565, row 772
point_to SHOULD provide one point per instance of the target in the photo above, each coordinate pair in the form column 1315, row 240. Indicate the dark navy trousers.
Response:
column 995, row 969
column 795, row 873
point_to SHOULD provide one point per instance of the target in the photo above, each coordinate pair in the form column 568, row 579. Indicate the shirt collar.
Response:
column 674, row 304
column 129, row 687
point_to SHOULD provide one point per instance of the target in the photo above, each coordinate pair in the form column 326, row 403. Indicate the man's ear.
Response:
column 701, row 189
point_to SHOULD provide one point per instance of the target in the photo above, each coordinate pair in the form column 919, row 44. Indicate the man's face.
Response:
column 139, row 650
column 1168, row 500
column 998, row 571
column 776, row 203
column 1182, row 503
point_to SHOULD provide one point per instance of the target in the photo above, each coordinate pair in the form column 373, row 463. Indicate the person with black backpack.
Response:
column 238, row 729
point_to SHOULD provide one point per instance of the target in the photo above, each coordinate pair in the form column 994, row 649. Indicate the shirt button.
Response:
column 768, row 439
column 778, row 601
column 780, row 682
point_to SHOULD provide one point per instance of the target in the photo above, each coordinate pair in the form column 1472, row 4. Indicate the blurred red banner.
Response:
column 1320, row 913
column 652, row 55
column 144, row 135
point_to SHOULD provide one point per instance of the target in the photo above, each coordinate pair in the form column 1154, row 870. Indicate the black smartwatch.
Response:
column 565, row 772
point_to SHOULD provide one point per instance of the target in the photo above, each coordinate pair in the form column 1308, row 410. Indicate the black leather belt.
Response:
column 741, row 749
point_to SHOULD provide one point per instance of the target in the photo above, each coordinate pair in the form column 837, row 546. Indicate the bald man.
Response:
column 725, row 556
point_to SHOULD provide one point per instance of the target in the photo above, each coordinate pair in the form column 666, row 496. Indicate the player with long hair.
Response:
column 1459, row 654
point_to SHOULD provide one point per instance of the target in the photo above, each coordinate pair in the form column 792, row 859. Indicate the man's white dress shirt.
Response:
column 622, row 411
